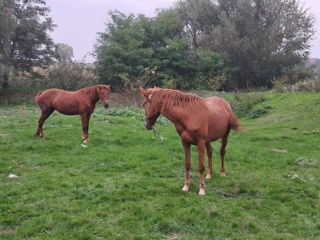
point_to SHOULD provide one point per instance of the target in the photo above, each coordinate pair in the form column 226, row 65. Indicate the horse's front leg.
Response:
column 201, row 146
column 187, row 163
column 85, row 126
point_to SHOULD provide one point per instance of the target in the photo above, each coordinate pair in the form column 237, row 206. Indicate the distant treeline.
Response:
column 223, row 44
column 203, row 44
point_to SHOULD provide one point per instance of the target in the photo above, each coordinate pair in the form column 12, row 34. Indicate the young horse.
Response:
column 198, row 121
column 81, row 102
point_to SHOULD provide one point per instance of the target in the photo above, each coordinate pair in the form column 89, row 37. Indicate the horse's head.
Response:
column 150, row 109
column 103, row 93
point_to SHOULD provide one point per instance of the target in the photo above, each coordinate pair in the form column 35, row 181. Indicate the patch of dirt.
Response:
column 279, row 150
column 7, row 231
column 172, row 236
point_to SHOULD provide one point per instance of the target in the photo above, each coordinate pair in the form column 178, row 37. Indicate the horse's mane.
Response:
column 170, row 97
column 87, row 90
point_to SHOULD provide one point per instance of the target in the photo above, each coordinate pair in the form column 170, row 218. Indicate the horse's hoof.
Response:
column 208, row 176
column 85, row 140
column 202, row 192
column 222, row 174
column 185, row 188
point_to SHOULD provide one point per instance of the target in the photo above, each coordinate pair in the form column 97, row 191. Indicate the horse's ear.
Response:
column 144, row 92
column 154, row 86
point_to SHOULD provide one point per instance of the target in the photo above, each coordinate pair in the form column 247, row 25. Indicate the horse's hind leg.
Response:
column 44, row 115
column 223, row 152
column 209, row 154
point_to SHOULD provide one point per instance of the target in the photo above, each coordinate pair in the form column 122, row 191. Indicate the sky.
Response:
column 78, row 22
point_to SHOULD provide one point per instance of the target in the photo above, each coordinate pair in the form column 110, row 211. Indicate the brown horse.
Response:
column 198, row 121
column 81, row 102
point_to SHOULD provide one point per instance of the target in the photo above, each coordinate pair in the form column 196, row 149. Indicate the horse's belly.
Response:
column 67, row 108
column 68, row 112
column 217, row 131
column 218, row 123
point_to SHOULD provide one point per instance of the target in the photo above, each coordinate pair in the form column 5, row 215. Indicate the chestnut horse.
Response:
column 198, row 121
column 81, row 102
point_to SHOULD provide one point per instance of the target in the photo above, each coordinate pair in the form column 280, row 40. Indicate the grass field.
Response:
column 124, row 184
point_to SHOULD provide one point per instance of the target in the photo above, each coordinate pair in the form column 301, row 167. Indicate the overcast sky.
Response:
column 79, row 21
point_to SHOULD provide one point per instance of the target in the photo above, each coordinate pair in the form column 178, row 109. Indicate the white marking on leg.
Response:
column 202, row 192
column 185, row 188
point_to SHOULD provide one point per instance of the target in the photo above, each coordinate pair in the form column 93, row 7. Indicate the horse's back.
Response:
column 49, row 93
column 218, row 102
column 56, row 98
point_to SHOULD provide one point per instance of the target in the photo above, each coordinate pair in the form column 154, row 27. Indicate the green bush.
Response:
column 242, row 104
column 311, row 84
column 70, row 76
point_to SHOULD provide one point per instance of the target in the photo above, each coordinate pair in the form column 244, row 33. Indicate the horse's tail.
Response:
column 235, row 124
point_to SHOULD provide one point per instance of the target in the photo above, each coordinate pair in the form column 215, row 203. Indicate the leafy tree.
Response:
column 6, row 33
column 212, row 72
column 24, row 39
column 64, row 52
column 197, row 17
column 259, row 39
column 122, row 54
column 171, row 64
column 136, row 50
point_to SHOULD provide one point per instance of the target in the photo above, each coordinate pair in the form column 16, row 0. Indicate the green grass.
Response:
column 125, row 185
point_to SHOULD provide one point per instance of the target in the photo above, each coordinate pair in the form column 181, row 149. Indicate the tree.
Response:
column 7, row 27
column 260, row 39
column 136, row 50
column 24, row 39
column 121, row 50
column 64, row 52
column 171, row 64
column 197, row 16
column 137, row 47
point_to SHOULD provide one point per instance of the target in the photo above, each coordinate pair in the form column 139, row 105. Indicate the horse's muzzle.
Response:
column 148, row 125
column 106, row 105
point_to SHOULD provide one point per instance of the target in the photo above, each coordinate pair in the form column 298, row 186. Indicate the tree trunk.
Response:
column 5, row 79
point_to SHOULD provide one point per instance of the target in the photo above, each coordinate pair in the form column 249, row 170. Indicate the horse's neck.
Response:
column 93, row 94
column 177, row 113
column 172, row 113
